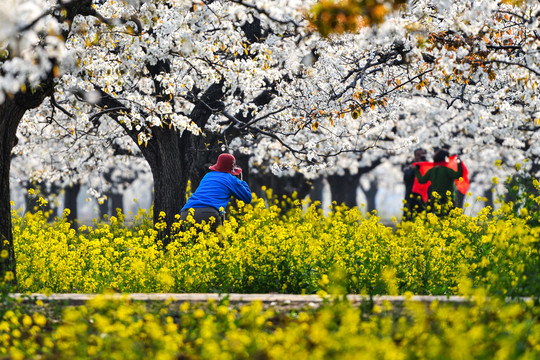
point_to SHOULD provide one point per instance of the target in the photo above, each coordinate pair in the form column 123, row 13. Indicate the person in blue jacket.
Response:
column 215, row 190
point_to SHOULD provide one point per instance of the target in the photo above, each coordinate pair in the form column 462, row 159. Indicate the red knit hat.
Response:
column 226, row 163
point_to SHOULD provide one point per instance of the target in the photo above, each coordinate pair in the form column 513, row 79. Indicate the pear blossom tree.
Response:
column 179, row 79
column 457, row 74
column 159, row 71
column 372, row 82
column 32, row 35
column 461, row 75
column 183, row 80
column 468, row 74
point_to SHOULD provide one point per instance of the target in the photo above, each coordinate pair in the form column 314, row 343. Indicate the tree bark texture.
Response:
column 170, row 179
column 11, row 113
column 10, row 117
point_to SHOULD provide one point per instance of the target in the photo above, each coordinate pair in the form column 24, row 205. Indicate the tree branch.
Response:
column 537, row 73
column 265, row 13
column 58, row 106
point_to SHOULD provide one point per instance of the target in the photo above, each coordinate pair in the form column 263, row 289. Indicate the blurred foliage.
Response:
column 329, row 16
column 123, row 329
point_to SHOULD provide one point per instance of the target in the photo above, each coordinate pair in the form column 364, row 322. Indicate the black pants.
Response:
column 413, row 206
column 441, row 206
column 204, row 214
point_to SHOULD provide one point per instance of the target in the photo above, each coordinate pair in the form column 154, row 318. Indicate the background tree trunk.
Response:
column 371, row 194
column 117, row 202
column 43, row 190
column 70, row 202
column 317, row 190
column 344, row 187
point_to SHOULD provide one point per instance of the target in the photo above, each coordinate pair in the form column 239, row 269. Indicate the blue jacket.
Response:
column 216, row 189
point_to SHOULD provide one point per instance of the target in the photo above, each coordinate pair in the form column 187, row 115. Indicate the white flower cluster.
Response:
column 462, row 74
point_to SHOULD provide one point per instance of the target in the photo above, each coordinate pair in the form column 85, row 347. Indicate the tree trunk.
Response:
column 103, row 208
column 283, row 187
column 32, row 203
column 371, row 194
column 170, row 180
column 488, row 193
column 317, row 190
column 11, row 113
column 343, row 188
column 117, row 202
column 70, row 202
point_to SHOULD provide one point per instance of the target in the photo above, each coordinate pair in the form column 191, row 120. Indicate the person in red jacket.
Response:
column 413, row 203
column 215, row 191
column 441, row 192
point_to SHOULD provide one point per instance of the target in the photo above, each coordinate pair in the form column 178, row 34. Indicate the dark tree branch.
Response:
column 265, row 13
column 106, row 111
column 55, row 104
column 537, row 73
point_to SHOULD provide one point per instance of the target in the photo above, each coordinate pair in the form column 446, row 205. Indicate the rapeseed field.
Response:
column 491, row 258
column 260, row 249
